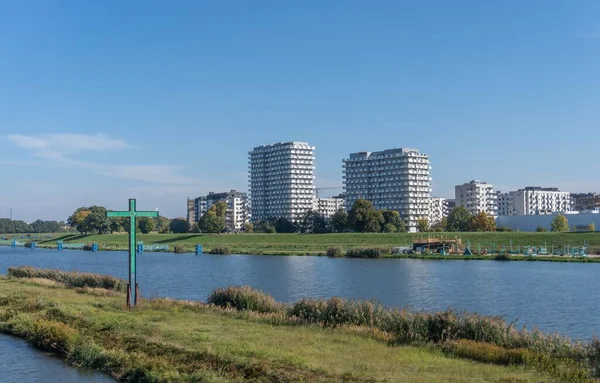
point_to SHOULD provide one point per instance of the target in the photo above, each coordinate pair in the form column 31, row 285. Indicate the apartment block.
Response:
column 585, row 201
column 438, row 209
column 328, row 206
column 394, row 179
column 282, row 180
column 535, row 200
column 506, row 203
column 237, row 212
column 477, row 196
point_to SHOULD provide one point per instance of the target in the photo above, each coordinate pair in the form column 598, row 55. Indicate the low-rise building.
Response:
column 438, row 209
column 328, row 206
column 236, row 215
column 534, row 200
column 477, row 196
column 577, row 221
column 585, row 201
column 506, row 203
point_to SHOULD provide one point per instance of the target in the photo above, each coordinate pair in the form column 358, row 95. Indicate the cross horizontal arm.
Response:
column 132, row 214
column 146, row 214
column 118, row 214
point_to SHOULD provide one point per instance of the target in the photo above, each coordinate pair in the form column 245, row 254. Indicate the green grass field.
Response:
column 311, row 244
column 168, row 341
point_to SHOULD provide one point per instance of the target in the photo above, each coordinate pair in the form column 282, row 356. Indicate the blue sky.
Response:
column 107, row 100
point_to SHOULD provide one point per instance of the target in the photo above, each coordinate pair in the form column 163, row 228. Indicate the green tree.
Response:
column 459, row 219
column 591, row 227
column 423, row 225
column 146, row 225
column 97, row 221
column 339, row 221
column 364, row 218
column 389, row 228
column 284, row 225
column 248, row 227
column 9, row 226
column 162, row 224
column 560, row 223
column 439, row 226
column 264, row 227
column 392, row 217
column 313, row 222
column 483, row 222
column 179, row 226
column 211, row 222
column 117, row 224
column 40, row 226
column 77, row 220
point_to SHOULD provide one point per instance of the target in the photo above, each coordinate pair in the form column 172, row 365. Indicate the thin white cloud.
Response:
column 63, row 148
column 68, row 143
column 165, row 174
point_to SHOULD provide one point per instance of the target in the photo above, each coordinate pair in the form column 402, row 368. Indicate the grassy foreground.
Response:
column 176, row 341
column 318, row 244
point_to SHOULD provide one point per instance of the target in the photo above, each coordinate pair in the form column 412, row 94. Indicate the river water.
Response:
column 554, row 297
column 22, row 363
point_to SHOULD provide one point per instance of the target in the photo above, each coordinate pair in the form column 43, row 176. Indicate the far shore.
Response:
column 499, row 246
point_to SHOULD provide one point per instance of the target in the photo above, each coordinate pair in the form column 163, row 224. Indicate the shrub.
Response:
column 52, row 336
column 71, row 279
column 541, row 229
column 220, row 250
column 502, row 257
column 335, row 252
column 367, row 252
column 337, row 311
column 244, row 298
column 486, row 353
column 179, row 249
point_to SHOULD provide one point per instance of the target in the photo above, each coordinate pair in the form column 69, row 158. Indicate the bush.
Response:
column 337, row 311
column 179, row 249
column 53, row 336
column 244, row 298
column 367, row 252
column 335, row 252
column 487, row 353
column 501, row 228
column 71, row 279
column 220, row 250
column 541, row 229
column 502, row 257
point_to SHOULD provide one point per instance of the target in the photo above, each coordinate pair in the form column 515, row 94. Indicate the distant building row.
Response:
column 479, row 196
column 282, row 184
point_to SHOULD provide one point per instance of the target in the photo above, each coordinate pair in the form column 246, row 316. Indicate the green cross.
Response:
column 132, row 214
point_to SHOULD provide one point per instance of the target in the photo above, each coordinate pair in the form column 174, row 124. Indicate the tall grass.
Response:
column 71, row 279
column 220, row 250
column 478, row 337
column 368, row 252
column 244, row 298
column 335, row 252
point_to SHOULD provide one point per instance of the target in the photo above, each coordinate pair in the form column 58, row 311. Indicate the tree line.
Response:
column 93, row 220
column 9, row 226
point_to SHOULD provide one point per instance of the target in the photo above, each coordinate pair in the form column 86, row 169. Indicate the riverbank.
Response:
column 318, row 244
column 166, row 340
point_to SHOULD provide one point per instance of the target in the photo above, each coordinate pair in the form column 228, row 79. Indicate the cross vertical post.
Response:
column 132, row 214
